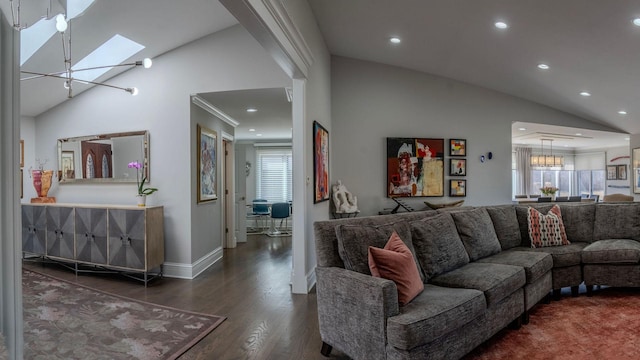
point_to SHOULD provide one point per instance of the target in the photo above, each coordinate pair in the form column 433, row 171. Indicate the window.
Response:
column 274, row 175
column 591, row 182
column 562, row 179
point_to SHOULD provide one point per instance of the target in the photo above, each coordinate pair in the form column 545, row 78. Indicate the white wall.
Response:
column 371, row 102
column 28, row 134
column 228, row 60
column 634, row 143
column 618, row 155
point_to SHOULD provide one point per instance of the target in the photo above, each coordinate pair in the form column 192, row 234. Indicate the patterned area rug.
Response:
column 605, row 326
column 63, row 320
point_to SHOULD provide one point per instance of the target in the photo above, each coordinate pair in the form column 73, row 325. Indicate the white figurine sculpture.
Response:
column 344, row 201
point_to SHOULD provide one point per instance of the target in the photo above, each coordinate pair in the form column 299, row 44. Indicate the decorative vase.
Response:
column 42, row 181
column 553, row 197
column 142, row 200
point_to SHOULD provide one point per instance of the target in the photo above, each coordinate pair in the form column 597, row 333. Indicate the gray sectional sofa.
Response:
column 479, row 270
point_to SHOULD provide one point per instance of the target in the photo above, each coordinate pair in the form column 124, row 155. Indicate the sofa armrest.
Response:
column 353, row 309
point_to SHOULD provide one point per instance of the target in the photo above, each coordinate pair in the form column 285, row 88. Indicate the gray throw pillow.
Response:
column 438, row 246
column 477, row 233
column 354, row 242
column 505, row 223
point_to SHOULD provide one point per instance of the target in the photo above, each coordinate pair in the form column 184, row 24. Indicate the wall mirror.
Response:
column 103, row 158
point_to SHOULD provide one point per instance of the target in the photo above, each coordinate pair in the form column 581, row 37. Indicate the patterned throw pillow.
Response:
column 546, row 230
column 395, row 262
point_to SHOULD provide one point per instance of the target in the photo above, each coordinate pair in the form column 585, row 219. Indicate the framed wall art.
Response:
column 415, row 167
column 21, row 153
column 207, row 164
column 458, row 167
column 67, row 161
column 457, row 188
column 320, row 163
column 612, row 172
column 636, row 170
column 457, row 147
column 622, row 172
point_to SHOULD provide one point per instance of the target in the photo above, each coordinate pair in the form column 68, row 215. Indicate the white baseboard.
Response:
column 190, row 271
column 311, row 279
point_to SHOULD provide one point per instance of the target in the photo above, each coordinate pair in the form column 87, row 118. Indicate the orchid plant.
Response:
column 139, row 169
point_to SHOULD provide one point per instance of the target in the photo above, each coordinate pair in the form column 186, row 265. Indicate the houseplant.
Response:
column 549, row 191
column 141, row 179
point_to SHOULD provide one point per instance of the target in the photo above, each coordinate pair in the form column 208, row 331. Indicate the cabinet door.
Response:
column 91, row 235
column 34, row 225
column 60, row 232
column 126, row 238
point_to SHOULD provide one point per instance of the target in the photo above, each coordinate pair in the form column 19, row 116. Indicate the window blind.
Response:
column 274, row 175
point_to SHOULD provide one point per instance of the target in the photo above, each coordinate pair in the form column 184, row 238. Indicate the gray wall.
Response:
column 228, row 60
column 372, row 101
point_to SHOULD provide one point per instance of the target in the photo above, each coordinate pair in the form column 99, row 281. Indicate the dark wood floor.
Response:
column 250, row 286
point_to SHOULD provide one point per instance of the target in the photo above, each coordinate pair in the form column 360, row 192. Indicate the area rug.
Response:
column 63, row 320
column 605, row 326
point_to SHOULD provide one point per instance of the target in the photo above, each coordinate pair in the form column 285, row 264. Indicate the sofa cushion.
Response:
column 354, row 242
column 621, row 251
column 475, row 229
column 395, row 262
column 496, row 281
column 435, row 312
column 546, row 230
column 438, row 246
column 578, row 221
column 535, row 264
column 568, row 255
column 617, row 221
column 522, row 213
column 505, row 223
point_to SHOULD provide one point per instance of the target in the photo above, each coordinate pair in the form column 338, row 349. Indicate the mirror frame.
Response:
column 147, row 161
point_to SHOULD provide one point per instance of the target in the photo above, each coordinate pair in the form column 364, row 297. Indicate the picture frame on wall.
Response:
column 415, row 167
column 21, row 153
column 207, row 164
column 612, row 172
column 622, row 172
column 457, row 147
column 635, row 163
column 457, row 188
column 320, row 163
column 458, row 167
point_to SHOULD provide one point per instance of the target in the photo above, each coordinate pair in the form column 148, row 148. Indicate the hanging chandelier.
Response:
column 547, row 160
column 63, row 27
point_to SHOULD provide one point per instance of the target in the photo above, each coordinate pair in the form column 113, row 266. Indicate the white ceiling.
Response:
column 590, row 45
column 272, row 120
column 159, row 25
column 564, row 138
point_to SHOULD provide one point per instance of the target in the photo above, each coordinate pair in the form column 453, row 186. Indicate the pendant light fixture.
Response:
column 547, row 160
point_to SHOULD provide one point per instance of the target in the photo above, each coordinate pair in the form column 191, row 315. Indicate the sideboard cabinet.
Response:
column 128, row 239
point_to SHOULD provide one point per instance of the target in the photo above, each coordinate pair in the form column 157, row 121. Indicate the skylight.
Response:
column 77, row 7
column 114, row 51
column 33, row 37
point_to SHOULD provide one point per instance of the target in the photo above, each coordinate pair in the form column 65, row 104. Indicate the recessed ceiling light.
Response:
column 585, row 93
column 522, row 129
column 578, row 134
column 252, row 110
column 501, row 25
column 543, row 66
column 252, row 129
column 622, row 112
column 258, row 134
column 636, row 21
column 395, row 40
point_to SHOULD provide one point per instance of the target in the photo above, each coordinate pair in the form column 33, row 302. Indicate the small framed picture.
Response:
column 457, row 147
column 612, row 172
column 458, row 167
column 457, row 188
column 622, row 172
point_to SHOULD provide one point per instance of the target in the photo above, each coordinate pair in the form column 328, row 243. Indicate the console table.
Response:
column 96, row 238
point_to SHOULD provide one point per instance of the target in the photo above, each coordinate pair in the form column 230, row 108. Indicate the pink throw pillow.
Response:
column 395, row 262
column 546, row 230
